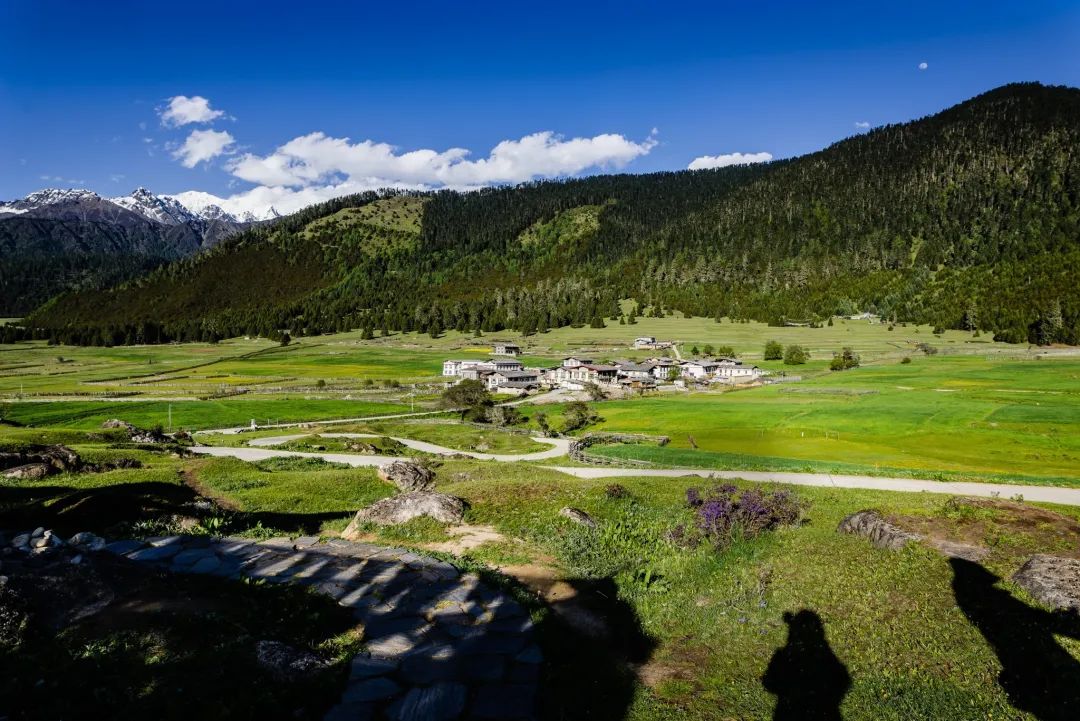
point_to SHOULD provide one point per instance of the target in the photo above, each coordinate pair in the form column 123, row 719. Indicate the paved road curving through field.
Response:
column 1044, row 494
column 560, row 446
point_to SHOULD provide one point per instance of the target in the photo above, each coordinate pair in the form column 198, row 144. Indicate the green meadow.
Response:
column 709, row 621
column 955, row 414
column 189, row 415
column 974, row 409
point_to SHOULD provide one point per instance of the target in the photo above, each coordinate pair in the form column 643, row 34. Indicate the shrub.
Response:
column 616, row 491
column 578, row 414
column 844, row 360
column 905, row 360
column 795, row 355
column 773, row 350
column 722, row 514
column 725, row 351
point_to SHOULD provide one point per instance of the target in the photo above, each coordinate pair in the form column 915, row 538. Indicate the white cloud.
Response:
column 60, row 180
column 183, row 110
column 203, row 145
column 722, row 161
column 862, row 124
column 317, row 159
column 316, row 167
column 116, row 177
column 923, row 66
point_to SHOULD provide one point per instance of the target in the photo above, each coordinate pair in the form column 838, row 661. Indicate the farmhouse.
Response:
column 518, row 378
column 474, row 369
column 730, row 370
column 575, row 377
column 699, row 368
column 574, row 362
column 636, row 371
column 505, row 348
column 648, row 342
column 662, row 367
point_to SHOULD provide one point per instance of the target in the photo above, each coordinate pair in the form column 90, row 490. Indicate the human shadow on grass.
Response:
column 1037, row 674
column 806, row 677
column 109, row 509
column 593, row 645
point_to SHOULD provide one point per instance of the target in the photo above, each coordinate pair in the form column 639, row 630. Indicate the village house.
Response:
column 662, row 367
column 648, row 342
column 518, row 379
column 575, row 377
column 699, row 368
column 504, row 348
column 636, row 371
column 730, row 370
column 478, row 369
column 574, row 362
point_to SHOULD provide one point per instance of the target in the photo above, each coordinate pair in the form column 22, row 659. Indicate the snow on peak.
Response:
column 160, row 209
column 46, row 197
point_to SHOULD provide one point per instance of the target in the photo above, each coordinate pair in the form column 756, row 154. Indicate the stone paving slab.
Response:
column 439, row 645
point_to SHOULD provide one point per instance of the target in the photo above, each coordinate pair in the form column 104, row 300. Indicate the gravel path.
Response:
column 560, row 446
column 439, row 645
column 1045, row 494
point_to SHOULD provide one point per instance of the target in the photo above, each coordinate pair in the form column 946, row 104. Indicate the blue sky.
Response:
column 642, row 86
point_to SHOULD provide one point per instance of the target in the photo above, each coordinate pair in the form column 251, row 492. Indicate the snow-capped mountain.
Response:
column 193, row 209
column 56, row 239
column 211, row 207
column 184, row 208
column 161, row 209
column 44, row 198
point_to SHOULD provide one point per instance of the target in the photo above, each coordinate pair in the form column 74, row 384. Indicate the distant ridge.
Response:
column 55, row 240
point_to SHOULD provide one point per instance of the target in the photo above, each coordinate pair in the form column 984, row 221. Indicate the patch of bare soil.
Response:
column 1006, row 527
column 465, row 537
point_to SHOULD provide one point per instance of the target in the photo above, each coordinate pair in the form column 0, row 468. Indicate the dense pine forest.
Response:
column 966, row 219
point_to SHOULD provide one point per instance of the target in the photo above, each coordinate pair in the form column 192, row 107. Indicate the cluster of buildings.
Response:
column 509, row 375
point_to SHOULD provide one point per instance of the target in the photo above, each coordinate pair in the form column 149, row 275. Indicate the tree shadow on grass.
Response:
column 1038, row 675
column 806, row 677
column 109, row 509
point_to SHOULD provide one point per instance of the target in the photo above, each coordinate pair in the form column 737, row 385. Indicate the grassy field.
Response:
column 190, row 415
column 956, row 414
column 705, row 623
column 346, row 364
column 975, row 409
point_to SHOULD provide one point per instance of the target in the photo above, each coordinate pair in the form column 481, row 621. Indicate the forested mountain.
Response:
column 969, row 219
column 56, row 240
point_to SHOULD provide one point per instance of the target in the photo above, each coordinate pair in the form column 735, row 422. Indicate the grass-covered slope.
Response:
column 966, row 219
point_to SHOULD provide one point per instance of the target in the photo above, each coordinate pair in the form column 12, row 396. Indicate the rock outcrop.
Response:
column 408, row 476
column 38, row 462
column 578, row 516
column 405, row 507
column 870, row 525
column 1051, row 580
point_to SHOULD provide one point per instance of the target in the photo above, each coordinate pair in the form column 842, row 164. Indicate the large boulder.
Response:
column 29, row 472
column 405, row 507
column 881, row 533
column 408, row 476
column 1051, row 580
column 39, row 461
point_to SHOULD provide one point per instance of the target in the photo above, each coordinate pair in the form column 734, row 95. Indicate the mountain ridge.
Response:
column 965, row 218
column 59, row 239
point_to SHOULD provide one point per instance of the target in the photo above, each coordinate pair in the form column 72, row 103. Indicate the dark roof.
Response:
column 518, row 374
